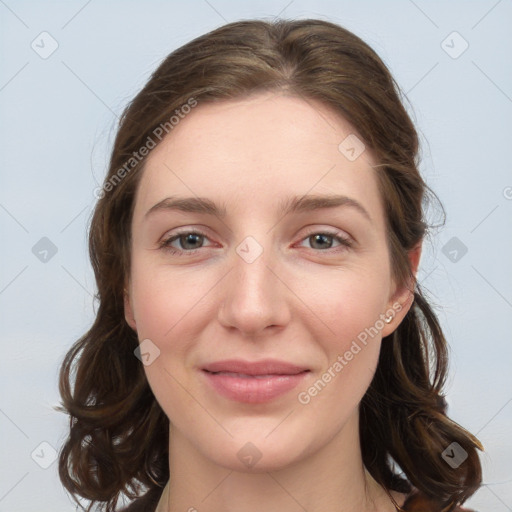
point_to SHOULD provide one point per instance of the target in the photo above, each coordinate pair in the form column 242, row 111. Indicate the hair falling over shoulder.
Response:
column 118, row 434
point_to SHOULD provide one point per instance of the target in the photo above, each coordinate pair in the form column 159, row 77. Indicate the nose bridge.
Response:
column 253, row 296
column 251, row 260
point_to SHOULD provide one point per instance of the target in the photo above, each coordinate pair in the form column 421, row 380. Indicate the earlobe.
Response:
column 128, row 311
column 403, row 298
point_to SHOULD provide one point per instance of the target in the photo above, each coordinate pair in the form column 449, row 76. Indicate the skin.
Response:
column 300, row 301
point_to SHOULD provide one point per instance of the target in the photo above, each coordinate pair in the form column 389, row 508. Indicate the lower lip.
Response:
column 251, row 389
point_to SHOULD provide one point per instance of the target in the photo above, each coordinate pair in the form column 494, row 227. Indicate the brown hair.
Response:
column 118, row 438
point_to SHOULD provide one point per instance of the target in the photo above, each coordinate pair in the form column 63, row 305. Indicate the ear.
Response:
column 402, row 299
column 128, row 310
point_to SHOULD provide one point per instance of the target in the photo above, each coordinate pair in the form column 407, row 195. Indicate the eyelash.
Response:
column 164, row 244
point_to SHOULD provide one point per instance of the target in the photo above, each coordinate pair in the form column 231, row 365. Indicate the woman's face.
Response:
column 259, row 281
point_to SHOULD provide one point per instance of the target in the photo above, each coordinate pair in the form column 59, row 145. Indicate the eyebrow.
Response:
column 293, row 204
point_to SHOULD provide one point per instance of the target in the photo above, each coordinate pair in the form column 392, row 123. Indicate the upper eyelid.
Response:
column 177, row 234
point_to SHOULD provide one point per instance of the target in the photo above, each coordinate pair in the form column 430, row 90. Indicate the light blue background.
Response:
column 58, row 118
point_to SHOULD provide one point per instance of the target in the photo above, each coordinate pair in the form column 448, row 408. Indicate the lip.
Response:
column 253, row 382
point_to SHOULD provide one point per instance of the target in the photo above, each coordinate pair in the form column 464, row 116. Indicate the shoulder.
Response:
column 418, row 502
column 146, row 503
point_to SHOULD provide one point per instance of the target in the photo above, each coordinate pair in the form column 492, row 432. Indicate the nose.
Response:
column 254, row 297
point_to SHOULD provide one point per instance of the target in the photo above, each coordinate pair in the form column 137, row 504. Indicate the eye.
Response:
column 190, row 242
column 323, row 240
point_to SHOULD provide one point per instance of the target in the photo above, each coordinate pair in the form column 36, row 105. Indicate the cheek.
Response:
column 349, row 304
column 351, row 307
column 161, row 300
column 167, row 309
column 352, row 310
column 163, row 315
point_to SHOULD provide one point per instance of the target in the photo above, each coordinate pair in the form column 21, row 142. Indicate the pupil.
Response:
column 320, row 237
column 190, row 238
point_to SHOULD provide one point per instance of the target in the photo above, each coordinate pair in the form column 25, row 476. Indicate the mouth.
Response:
column 257, row 368
column 255, row 382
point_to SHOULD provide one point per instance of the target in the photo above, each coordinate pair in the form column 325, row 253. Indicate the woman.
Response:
column 287, row 359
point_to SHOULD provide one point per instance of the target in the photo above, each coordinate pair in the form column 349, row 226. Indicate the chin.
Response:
column 259, row 454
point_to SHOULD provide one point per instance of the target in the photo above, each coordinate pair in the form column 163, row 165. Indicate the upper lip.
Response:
column 264, row 367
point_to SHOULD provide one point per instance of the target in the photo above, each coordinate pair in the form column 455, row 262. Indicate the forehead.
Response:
column 253, row 154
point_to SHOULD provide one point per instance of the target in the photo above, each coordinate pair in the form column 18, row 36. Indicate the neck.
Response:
column 331, row 479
